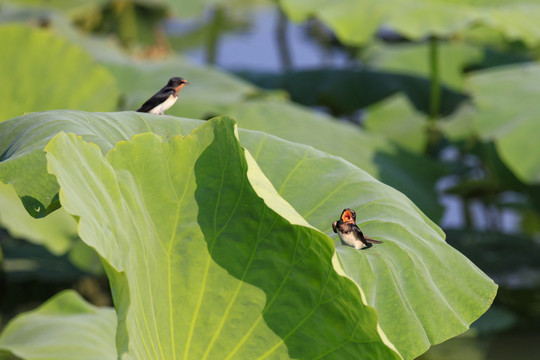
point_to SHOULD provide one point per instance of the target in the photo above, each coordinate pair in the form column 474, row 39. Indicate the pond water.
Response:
column 256, row 47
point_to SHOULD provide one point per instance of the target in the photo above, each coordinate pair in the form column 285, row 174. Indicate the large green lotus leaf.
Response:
column 355, row 21
column 64, row 327
column 320, row 197
column 208, row 94
column 413, row 272
column 396, row 167
column 507, row 112
column 414, row 59
column 40, row 71
column 201, row 266
column 56, row 232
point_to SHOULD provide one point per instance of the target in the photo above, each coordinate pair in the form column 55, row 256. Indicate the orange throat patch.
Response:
column 347, row 216
column 179, row 87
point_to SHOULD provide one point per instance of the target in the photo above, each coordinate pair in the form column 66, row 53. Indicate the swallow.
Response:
column 164, row 98
column 350, row 234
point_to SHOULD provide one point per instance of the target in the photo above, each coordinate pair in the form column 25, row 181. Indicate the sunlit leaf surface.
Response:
column 404, row 278
column 201, row 267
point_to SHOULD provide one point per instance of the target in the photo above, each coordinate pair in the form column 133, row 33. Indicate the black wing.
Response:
column 360, row 235
column 334, row 226
column 158, row 98
column 365, row 239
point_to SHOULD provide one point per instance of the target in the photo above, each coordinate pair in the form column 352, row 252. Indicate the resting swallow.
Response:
column 350, row 234
column 164, row 98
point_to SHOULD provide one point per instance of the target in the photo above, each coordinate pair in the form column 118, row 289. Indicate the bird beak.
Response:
column 347, row 215
column 184, row 83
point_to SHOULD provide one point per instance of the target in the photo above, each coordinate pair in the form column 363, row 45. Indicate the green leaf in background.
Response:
column 209, row 94
column 397, row 120
column 413, row 59
column 507, row 113
column 207, row 268
column 355, row 21
column 460, row 125
column 65, row 327
column 56, row 232
column 40, row 71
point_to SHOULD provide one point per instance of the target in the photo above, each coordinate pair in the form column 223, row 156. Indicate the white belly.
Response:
column 161, row 108
column 351, row 240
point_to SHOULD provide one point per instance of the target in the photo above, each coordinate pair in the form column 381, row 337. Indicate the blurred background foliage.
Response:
column 438, row 99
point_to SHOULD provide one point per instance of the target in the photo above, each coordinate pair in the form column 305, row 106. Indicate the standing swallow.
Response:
column 350, row 234
column 164, row 98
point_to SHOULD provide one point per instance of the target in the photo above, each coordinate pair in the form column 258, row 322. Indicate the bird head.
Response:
column 177, row 83
column 348, row 216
